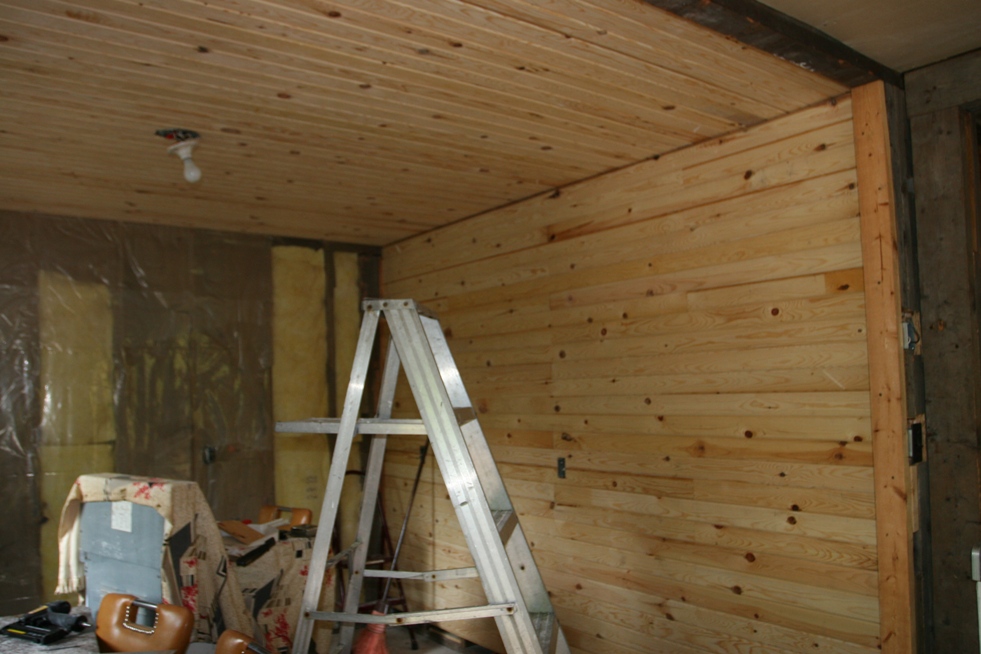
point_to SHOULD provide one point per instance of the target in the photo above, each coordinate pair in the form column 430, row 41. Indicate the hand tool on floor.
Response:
column 46, row 624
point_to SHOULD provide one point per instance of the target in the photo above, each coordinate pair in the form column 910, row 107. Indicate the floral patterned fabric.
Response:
column 273, row 588
column 262, row 598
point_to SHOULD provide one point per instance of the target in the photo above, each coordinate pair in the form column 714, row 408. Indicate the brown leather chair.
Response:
column 298, row 516
column 117, row 629
column 235, row 642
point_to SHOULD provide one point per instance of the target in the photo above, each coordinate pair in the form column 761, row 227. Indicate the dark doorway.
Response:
column 944, row 129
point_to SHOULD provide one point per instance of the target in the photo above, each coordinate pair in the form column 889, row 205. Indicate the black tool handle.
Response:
column 38, row 635
column 252, row 555
column 68, row 621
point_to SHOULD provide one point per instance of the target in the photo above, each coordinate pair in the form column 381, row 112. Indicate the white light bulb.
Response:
column 183, row 150
column 191, row 172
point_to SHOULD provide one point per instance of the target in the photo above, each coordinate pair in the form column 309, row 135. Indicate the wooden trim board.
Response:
column 886, row 368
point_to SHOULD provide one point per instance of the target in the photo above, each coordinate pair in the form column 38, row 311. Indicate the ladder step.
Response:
column 430, row 575
column 506, row 521
column 464, row 414
column 388, row 427
column 418, row 617
column 546, row 627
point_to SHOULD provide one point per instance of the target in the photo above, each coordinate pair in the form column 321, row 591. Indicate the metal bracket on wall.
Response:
column 911, row 331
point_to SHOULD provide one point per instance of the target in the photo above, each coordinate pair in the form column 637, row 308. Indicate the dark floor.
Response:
column 399, row 642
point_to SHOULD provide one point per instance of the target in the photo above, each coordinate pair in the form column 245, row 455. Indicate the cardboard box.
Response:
column 239, row 531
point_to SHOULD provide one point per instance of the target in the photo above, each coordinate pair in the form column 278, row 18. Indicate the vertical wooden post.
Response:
column 893, row 504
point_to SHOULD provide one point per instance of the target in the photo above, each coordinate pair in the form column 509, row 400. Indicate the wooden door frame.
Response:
column 883, row 211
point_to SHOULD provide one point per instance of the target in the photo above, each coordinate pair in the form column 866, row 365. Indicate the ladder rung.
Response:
column 506, row 521
column 430, row 575
column 418, row 617
column 389, row 427
column 545, row 627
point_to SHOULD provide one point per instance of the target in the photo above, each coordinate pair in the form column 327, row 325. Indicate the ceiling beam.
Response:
column 767, row 29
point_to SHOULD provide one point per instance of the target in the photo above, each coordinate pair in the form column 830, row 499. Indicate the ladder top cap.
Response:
column 373, row 304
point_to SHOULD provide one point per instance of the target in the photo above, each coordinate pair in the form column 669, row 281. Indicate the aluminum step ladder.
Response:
column 516, row 595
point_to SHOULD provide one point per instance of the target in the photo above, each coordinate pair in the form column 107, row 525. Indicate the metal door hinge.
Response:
column 911, row 331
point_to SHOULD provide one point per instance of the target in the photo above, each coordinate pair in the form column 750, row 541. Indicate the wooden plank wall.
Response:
column 689, row 334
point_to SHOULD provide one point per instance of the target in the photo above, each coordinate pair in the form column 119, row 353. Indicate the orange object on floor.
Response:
column 117, row 629
column 235, row 642
column 371, row 640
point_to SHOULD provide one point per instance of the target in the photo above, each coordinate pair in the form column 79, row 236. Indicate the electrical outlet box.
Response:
column 914, row 440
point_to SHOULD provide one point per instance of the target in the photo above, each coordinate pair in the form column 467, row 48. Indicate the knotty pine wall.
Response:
column 689, row 334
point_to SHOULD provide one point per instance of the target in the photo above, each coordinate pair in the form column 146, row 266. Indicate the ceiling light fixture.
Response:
column 186, row 141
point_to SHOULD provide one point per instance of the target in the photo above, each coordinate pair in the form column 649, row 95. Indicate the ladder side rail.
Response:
column 456, row 465
column 389, row 382
column 466, row 494
column 335, row 481
column 445, row 362
column 487, row 470
column 519, row 552
column 561, row 644
column 341, row 641
column 372, row 481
